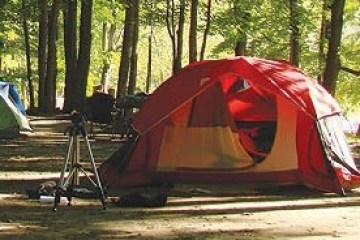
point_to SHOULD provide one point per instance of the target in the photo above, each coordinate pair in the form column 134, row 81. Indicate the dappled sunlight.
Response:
column 206, row 228
column 27, row 175
column 246, row 216
column 200, row 212
column 223, row 205
column 46, row 152
column 15, row 231
column 182, row 227
column 226, row 221
column 27, row 159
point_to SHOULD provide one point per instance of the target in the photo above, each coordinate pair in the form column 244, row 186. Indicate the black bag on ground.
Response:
column 143, row 199
column 44, row 189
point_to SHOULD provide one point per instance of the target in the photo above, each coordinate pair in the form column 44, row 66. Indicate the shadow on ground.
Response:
column 192, row 212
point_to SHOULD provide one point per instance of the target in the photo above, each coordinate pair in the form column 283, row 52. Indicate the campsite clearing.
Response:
column 192, row 212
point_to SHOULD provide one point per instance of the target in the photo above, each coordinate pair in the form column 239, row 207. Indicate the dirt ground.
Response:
column 192, row 212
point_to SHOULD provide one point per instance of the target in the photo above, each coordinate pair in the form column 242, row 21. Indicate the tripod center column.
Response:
column 76, row 160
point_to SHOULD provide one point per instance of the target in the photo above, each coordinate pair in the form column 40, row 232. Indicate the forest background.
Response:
column 61, row 49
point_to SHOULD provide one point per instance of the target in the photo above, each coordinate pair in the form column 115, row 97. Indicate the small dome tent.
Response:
column 12, row 112
column 238, row 120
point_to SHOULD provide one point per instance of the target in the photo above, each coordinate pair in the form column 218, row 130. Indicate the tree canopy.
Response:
column 133, row 46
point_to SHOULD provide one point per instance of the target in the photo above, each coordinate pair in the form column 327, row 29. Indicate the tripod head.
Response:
column 77, row 118
column 77, row 124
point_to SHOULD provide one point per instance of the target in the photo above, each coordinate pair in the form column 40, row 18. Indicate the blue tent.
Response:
column 12, row 112
column 13, row 94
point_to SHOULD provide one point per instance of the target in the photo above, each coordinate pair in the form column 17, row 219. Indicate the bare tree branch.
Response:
column 349, row 70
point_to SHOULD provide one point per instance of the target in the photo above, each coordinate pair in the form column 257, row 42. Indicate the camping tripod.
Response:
column 65, row 186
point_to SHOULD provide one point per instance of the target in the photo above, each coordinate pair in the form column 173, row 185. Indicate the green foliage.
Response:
column 347, row 91
column 110, row 11
column 153, row 13
column 264, row 24
column 12, row 49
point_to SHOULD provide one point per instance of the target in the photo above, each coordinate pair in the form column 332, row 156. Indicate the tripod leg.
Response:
column 73, row 179
column 76, row 160
column 61, row 184
column 56, row 199
column 98, row 182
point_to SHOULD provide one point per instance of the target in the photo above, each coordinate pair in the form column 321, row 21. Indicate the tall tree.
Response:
column 109, row 37
column 206, row 30
column 126, row 52
column 28, row 57
column 150, row 20
column 171, row 28
column 77, row 58
column 193, row 31
column 332, row 66
column 242, row 38
column 294, row 33
column 176, row 30
column 70, row 51
column 180, row 36
column 51, row 67
column 134, row 55
column 149, row 62
column 153, row 17
column 42, row 52
column 83, row 61
column 322, row 40
column 108, row 33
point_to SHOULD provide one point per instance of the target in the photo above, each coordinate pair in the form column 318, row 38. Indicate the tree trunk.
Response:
column 126, row 51
column 149, row 65
column 108, row 47
column 50, row 84
column 180, row 37
column 171, row 28
column 294, row 33
column 28, row 60
column 106, row 60
column 322, row 40
column 70, row 48
column 83, row 62
column 42, row 53
column 206, row 31
column 193, row 31
column 333, row 60
column 134, row 56
column 240, row 47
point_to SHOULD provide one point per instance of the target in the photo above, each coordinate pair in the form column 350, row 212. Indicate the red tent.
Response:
column 239, row 120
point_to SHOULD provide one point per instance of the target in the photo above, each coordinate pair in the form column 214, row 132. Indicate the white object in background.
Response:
column 51, row 199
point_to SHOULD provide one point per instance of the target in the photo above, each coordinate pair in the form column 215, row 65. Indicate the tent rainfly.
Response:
column 238, row 120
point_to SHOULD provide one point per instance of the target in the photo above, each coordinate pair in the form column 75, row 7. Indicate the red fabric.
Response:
column 268, row 79
column 249, row 106
column 313, row 164
column 347, row 180
column 274, row 77
column 217, row 115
